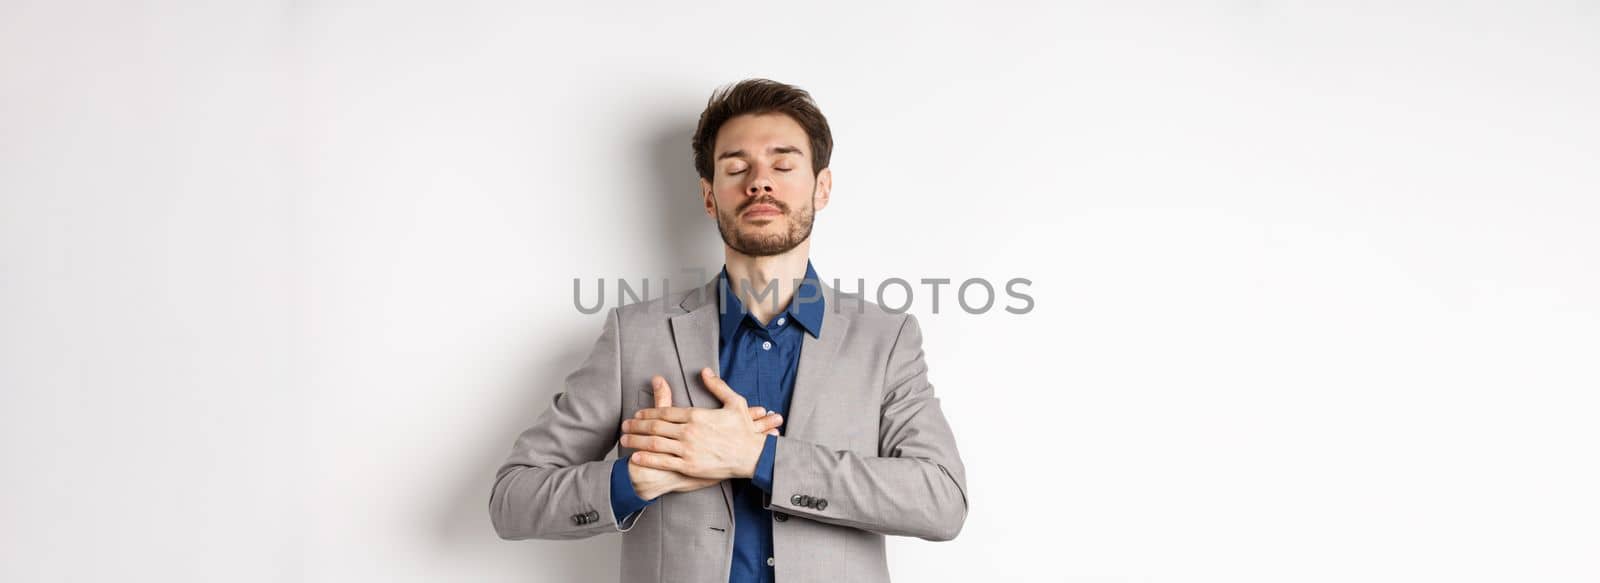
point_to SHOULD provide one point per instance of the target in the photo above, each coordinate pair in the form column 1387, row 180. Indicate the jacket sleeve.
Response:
column 915, row 486
column 554, row 484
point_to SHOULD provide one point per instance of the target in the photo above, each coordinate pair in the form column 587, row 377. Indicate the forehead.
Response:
column 755, row 133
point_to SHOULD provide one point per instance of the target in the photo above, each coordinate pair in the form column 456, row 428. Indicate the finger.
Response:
column 663, row 391
column 657, row 461
column 653, row 443
column 772, row 432
column 721, row 389
column 768, row 423
column 673, row 414
column 653, row 427
column 758, row 412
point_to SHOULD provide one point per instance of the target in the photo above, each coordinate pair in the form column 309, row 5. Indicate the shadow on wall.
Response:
column 686, row 241
column 689, row 239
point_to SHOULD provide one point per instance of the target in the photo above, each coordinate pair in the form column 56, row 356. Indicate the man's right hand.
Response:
column 651, row 483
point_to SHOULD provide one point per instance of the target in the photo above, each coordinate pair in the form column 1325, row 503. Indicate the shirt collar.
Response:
column 806, row 307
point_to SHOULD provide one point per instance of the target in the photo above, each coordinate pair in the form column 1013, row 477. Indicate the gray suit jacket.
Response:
column 864, row 433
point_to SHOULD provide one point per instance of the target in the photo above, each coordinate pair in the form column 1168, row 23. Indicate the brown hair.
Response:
column 754, row 97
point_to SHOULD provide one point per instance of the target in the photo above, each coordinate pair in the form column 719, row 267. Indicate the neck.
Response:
column 765, row 285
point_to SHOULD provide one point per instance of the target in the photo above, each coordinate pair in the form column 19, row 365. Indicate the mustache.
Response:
column 763, row 200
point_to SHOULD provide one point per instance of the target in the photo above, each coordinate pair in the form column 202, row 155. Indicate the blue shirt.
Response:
column 760, row 363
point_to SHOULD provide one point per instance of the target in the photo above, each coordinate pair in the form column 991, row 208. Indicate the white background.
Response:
column 1317, row 287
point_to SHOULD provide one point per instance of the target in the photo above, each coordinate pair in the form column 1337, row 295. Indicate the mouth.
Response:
column 762, row 211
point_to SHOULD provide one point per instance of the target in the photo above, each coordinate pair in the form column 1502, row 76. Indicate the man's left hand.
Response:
column 697, row 441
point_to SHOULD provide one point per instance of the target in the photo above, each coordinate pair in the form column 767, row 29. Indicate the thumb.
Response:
column 663, row 391
column 721, row 389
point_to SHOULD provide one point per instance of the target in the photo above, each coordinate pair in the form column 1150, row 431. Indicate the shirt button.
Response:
column 780, row 321
column 770, row 562
column 766, row 345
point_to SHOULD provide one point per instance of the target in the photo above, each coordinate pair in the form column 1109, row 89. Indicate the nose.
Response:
column 759, row 185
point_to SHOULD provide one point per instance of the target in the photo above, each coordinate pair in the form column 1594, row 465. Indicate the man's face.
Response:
column 762, row 192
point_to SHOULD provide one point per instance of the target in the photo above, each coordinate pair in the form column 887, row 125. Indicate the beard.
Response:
column 748, row 240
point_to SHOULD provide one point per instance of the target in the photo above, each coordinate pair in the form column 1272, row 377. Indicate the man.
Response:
column 771, row 427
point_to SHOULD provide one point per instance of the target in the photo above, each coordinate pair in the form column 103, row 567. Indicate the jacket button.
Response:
column 822, row 504
column 780, row 517
column 577, row 519
column 594, row 516
column 797, row 500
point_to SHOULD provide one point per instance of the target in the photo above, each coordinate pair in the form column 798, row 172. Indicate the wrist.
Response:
column 752, row 458
column 642, row 488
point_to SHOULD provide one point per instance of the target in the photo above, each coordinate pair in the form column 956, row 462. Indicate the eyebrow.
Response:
column 775, row 150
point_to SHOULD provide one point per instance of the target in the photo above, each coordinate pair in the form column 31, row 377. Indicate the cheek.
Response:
column 797, row 187
column 728, row 197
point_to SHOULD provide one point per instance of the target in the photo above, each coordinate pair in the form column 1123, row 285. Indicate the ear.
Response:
column 709, row 199
column 824, row 188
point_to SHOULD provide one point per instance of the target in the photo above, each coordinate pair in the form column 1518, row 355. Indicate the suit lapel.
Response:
column 695, row 334
column 812, row 381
